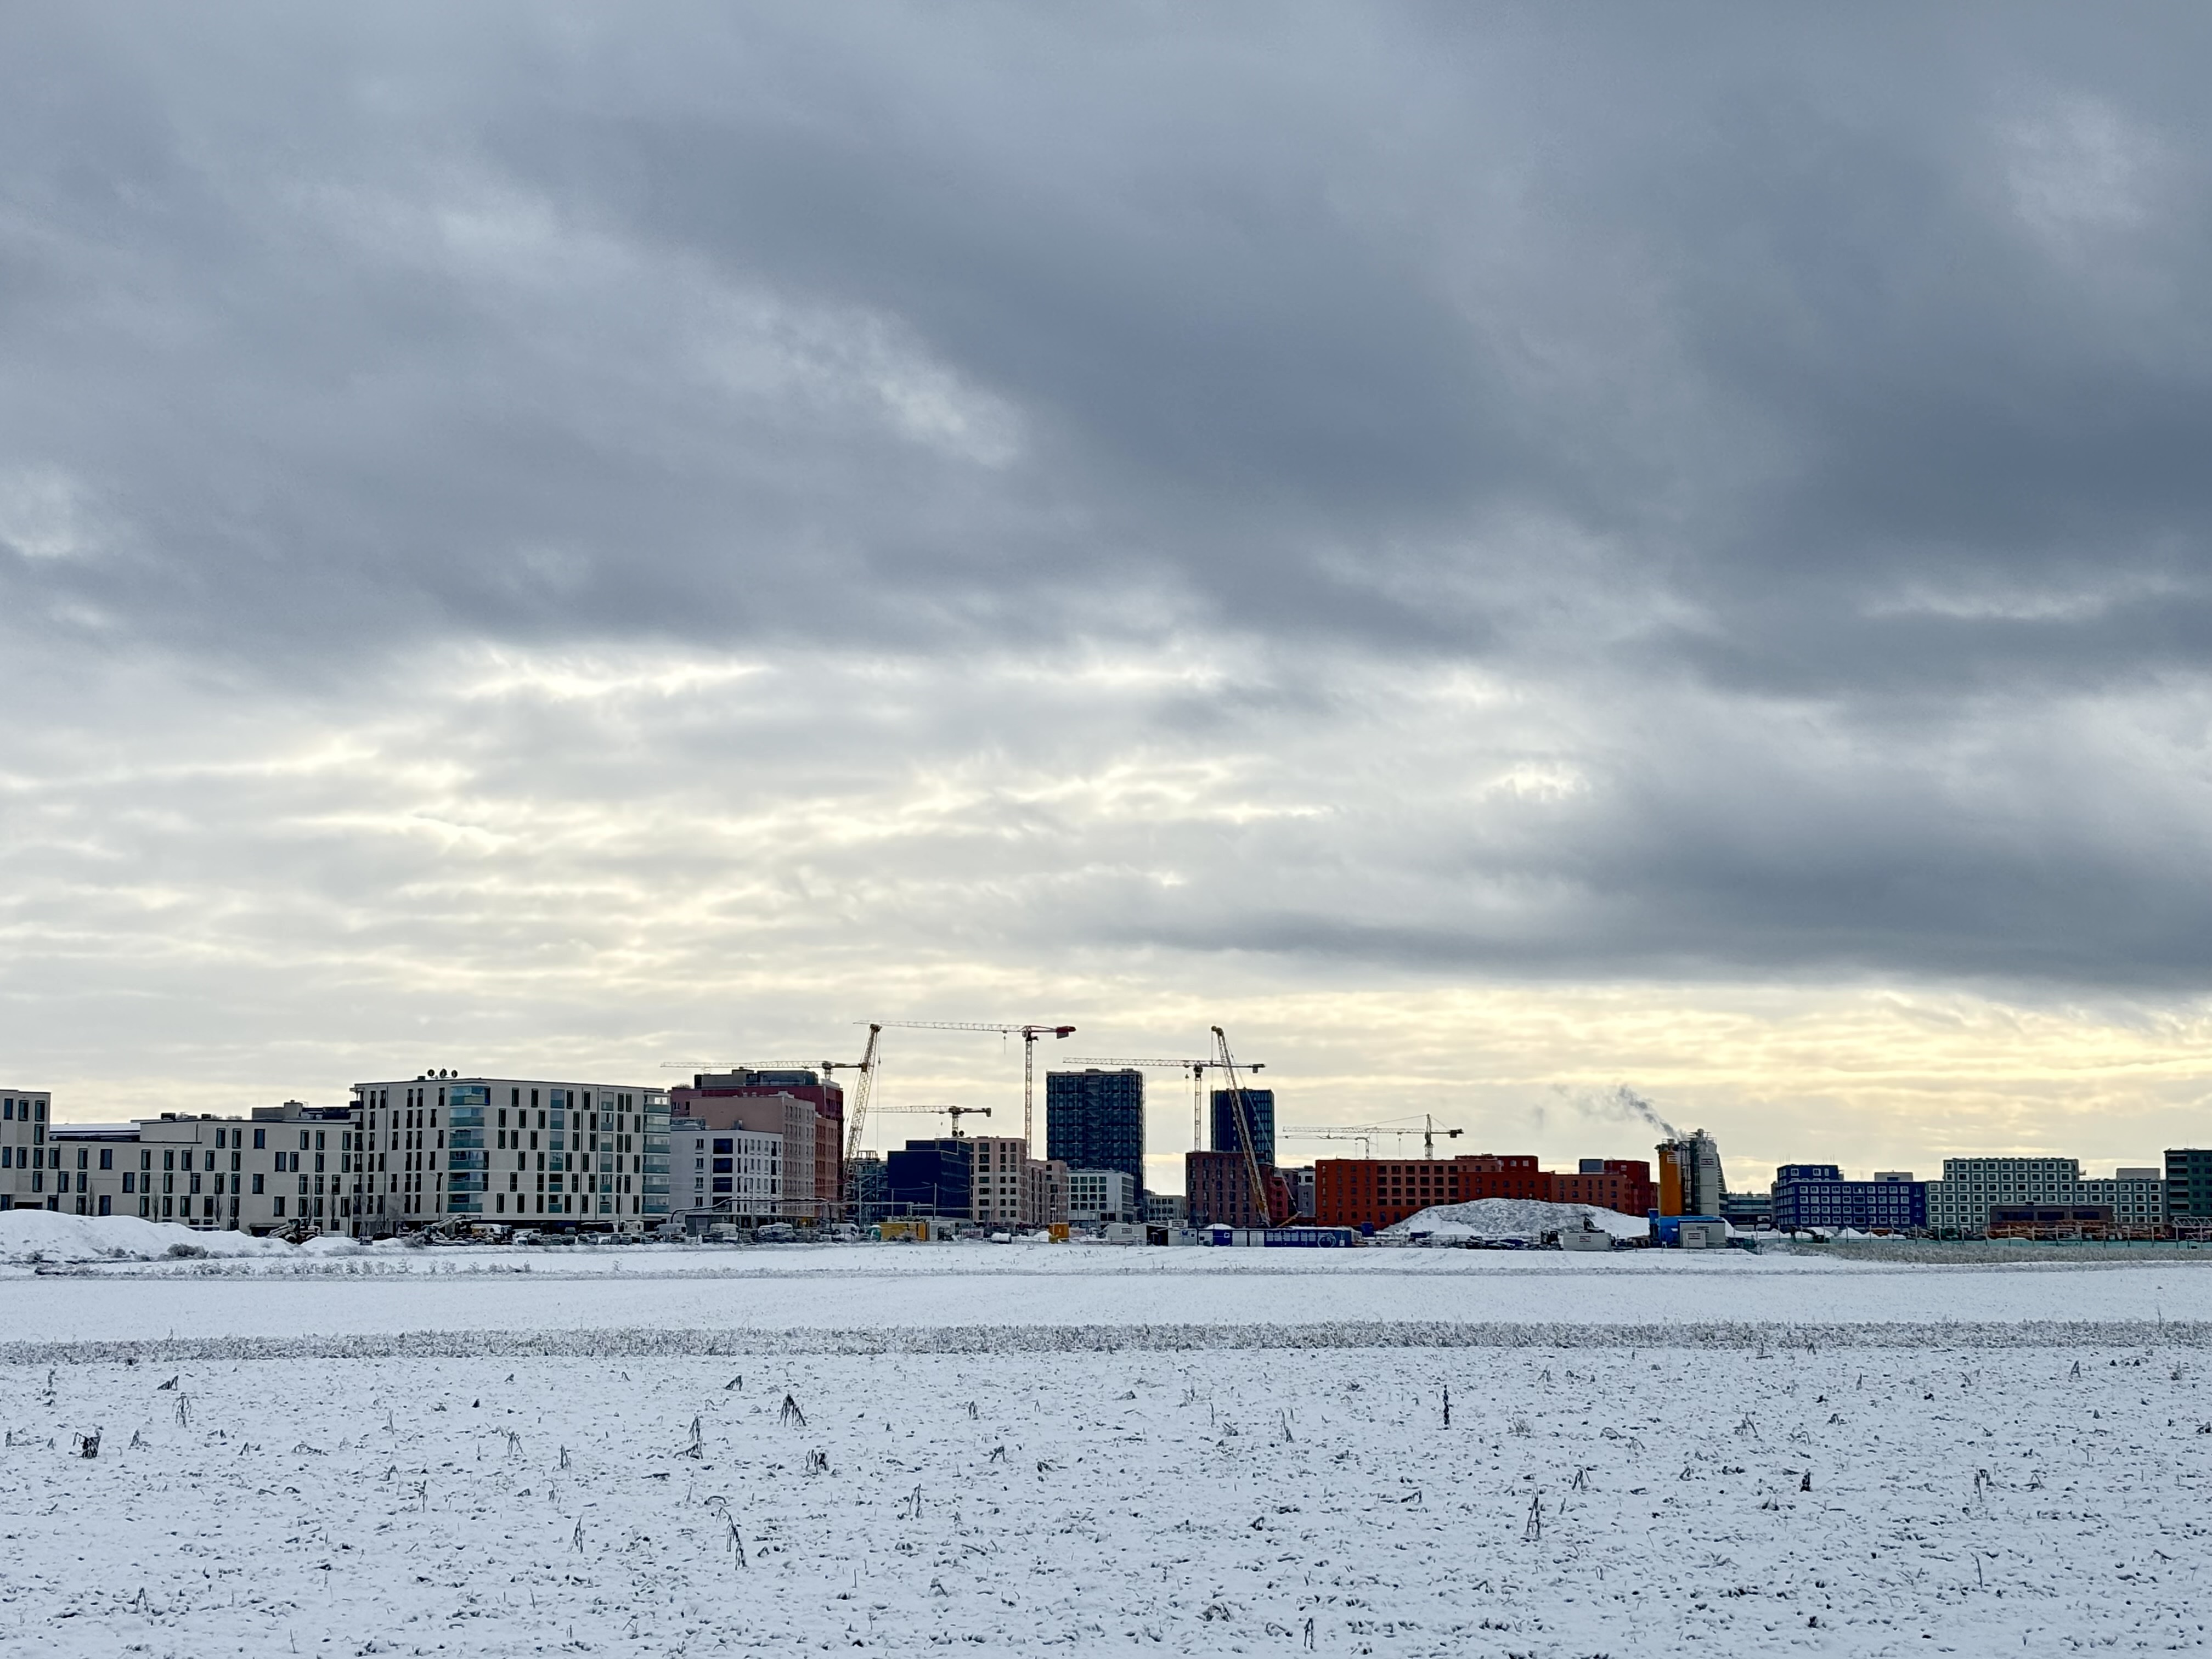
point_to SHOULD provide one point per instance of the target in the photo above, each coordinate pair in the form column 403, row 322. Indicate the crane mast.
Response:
column 856, row 1119
column 1261, row 1199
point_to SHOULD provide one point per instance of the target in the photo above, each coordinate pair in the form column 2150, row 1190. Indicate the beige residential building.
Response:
column 736, row 1174
column 795, row 1122
column 284, row 1166
column 1009, row 1189
column 517, row 1150
column 28, row 1165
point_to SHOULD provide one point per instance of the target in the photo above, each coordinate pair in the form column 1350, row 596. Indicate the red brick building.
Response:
column 713, row 1098
column 1611, row 1184
column 1218, row 1190
column 1353, row 1192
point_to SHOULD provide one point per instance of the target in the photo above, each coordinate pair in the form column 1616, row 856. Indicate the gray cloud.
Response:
column 1497, row 493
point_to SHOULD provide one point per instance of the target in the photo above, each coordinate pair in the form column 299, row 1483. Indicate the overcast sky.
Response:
column 1494, row 550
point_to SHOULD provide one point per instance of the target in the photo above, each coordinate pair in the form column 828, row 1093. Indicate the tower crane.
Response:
column 1029, row 1034
column 856, row 1115
column 747, row 1065
column 1197, row 1068
column 1263, row 1200
column 1428, row 1132
column 956, row 1113
column 1360, row 1133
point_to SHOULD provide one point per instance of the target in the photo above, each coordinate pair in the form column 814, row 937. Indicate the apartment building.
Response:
column 285, row 1166
column 27, row 1164
column 1812, row 1196
column 1611, row 1184
column 732, row 1174
column 989, row 1180
column 2138, row 1197
column 520, row 1151
column 1095, row 1120
column 1961, row 1202
column 92, row 1166
column 794, row 1114
column 807, row 1107
column 1380, row 1192
column 1012, row 1189
column 1097, row 1196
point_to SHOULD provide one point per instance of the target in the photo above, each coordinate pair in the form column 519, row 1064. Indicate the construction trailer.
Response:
column 1278, row 1238
column 916, row 1229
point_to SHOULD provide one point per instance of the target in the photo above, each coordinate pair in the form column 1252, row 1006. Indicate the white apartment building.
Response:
column 1166, row 1210
column 733, row 1172
column 93, row 1161
column 286, row 1166
column 523, row 1152
column 1007, row 1187
column 1960, row 1201
column 27, row 1164
column 2137, row 1196
column 1097, row 1196
column 283, row 1167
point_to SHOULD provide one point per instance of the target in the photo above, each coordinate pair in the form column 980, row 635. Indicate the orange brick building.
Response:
column 1380, row 1192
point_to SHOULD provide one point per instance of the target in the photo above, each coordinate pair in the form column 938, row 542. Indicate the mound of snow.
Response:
column 50, row 1236
column 1516, row 1218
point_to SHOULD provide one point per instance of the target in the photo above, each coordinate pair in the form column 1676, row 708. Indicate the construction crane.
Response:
column 856, row 1115
column 1263, row 1200
column 1197, row 1068
column 1029, row 1034
column 746, row 1066
column 1366, row 1137
column 1428, row 1132
column 956, row 1113
column 856, row 1110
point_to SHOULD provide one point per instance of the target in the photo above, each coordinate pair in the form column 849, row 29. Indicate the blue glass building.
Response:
column 930, row 1177
column 1259, row 1105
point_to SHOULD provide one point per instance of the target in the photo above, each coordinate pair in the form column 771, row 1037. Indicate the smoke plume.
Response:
column 1618, row 1104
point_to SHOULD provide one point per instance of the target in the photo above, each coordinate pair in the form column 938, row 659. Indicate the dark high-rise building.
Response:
column 1259, row 1107
column 2188, row 1182
column 1096, row 1121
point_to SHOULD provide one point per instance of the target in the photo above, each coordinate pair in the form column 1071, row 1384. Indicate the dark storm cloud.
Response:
column 1807, row 410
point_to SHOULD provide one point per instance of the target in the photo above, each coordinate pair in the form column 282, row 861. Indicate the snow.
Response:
column 1190, row 1451
column 48, row 1235
column 1529, row 1218
column 388, row 1291
column 1848, row 1502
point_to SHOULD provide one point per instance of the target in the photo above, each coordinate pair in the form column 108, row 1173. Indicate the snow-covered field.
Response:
column 1011, row 1450
column 860, row 1289
column 1579, row 1502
